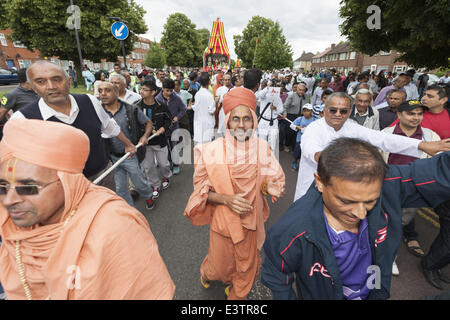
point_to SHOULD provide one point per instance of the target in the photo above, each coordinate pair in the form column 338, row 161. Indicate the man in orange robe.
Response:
column 232, row 176
column 64, row 237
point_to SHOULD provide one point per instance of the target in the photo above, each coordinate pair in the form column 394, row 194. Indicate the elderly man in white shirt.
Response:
column 204, row 109
column 124, row 94
column 319, row 134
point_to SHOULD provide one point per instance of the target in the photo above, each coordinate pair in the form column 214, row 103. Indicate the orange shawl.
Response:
column 228, row 167
column 106, row 250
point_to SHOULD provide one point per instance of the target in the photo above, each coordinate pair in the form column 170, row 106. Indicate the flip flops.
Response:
column 413, row 249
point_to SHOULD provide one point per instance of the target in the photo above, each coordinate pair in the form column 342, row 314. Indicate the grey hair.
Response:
column 363, row 91
column 42, row 62
column 121, row 78
column 302, row 84
column 342, row 95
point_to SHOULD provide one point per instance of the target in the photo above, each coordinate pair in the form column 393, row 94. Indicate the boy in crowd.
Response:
column 299, row 125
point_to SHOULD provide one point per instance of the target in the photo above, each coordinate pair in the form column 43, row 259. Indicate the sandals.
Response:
column 205, row 283
column 413, row 249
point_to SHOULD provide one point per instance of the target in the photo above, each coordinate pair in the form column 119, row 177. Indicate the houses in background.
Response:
column 344, row 59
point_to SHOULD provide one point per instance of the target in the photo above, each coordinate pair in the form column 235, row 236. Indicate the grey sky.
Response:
column 308, row 25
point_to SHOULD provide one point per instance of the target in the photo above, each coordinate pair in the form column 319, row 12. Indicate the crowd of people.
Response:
column 356, row 130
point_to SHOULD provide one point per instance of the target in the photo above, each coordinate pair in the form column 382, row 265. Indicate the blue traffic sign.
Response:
column 119, row 30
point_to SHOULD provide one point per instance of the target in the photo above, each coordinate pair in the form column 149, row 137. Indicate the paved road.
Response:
column 184, row 246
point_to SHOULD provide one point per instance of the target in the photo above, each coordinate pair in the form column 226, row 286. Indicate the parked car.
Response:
column 433, row 79
column 8, row 77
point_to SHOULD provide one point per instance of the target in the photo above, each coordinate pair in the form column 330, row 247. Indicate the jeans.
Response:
column 409, row 224
column 439, row 254
column 131, row 168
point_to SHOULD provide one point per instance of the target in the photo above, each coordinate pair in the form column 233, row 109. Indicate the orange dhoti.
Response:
column 235, row 264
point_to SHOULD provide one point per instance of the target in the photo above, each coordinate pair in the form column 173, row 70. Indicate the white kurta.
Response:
column 204, row 121
column 221, row 92
column 318, row 135
column 265, row 130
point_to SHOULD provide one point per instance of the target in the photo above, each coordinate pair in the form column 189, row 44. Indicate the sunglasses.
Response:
column 341, row 111
column 25, row 190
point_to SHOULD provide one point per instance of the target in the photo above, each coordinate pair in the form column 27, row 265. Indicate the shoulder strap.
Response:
column 261, row 115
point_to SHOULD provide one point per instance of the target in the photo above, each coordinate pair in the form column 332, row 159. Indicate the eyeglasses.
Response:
column 341, row 111
column 24, row 190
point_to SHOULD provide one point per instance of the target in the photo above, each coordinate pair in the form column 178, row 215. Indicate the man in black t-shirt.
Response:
column 17, row 98
column 157, row 151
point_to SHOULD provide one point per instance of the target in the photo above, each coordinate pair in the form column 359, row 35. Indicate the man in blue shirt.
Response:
column 340, row 239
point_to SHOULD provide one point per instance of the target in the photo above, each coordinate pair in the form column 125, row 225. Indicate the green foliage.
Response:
column 155, row 57
column 272, row 50
column 232, row 64
column 182, row 41
column 419, row 29
column 41, row 24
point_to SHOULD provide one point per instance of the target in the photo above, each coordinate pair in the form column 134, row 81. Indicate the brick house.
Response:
column 341, row 57
column 15, row 54
column 384, row 61
column 304, row 63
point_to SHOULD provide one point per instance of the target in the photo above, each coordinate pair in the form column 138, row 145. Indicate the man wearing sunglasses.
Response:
column 64, row 237
column 334, row 124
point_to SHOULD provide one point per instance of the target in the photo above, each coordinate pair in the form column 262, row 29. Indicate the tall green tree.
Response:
column 181, row 41
column 419, row 30
column 263, row 45
column 245, row 44
column 155, row 57
column 273, row 51
column 41, row 24
column 204, row 36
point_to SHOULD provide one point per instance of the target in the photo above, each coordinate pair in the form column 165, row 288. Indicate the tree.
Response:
column 41, row 24
column 204, row 36
column 272, row 45
column 273, row 51
column 181, row 41
column 155, row 57
column 245, row 44
column 418, row 30
column 232, row 64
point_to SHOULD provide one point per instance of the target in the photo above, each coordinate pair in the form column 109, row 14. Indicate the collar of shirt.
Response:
column 416, row 135
column 361, row 115
column 48, row 112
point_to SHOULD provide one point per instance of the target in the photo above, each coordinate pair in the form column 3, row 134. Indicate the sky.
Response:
column 308, row 25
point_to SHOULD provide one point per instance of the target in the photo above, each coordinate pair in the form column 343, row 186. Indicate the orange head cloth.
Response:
column 47, row 144
column 239, row 97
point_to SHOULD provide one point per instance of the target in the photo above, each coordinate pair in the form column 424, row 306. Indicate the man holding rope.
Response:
column 129, row 118
column 84, row 112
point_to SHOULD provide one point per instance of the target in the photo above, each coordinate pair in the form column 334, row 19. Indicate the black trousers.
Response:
column 291, row 135
column 439, row 253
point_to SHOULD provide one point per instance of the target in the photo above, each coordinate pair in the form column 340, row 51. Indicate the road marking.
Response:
column 431, row 212
column 428, row 218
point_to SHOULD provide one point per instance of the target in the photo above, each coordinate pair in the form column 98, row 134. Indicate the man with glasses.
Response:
column 334, row 124
column 65, row 238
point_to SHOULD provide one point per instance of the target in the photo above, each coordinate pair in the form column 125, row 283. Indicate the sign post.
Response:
column 120, row 31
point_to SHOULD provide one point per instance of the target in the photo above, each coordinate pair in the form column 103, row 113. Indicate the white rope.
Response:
column 99, row 179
